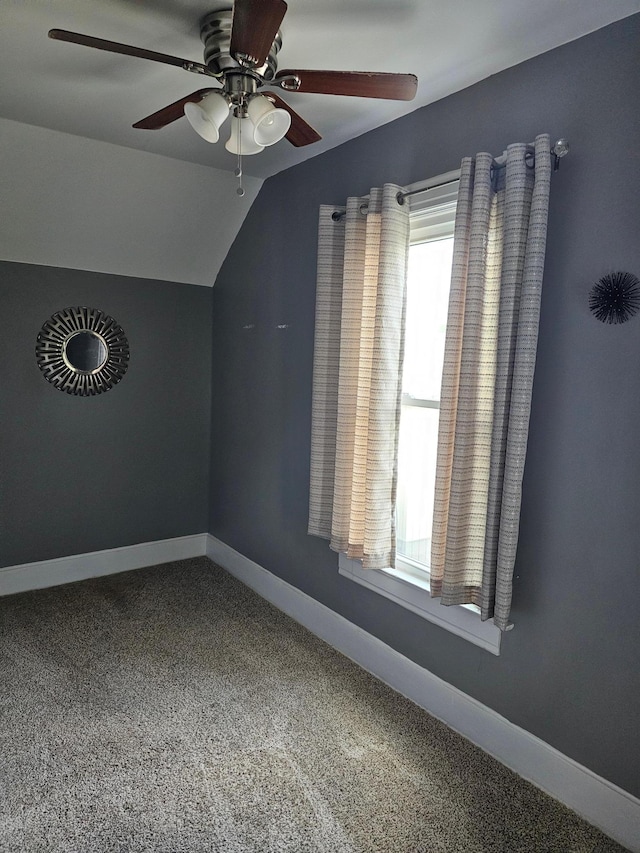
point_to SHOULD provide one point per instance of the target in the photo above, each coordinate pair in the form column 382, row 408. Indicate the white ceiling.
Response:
column 90, row 93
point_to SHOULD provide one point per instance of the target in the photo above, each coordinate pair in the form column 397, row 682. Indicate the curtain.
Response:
column 357, row 374
column 490, row 350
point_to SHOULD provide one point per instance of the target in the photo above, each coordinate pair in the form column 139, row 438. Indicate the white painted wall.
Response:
column 67, row 201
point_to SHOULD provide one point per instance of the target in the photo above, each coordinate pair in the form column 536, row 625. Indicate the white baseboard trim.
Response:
column 605, row 805
column 78, row 567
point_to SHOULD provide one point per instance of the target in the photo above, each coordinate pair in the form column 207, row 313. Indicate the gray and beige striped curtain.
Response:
column 490, row 350
column 357, row 372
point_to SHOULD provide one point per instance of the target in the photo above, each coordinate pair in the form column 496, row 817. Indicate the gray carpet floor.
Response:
column 172, row 710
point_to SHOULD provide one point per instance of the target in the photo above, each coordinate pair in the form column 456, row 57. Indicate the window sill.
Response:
column 413, row 593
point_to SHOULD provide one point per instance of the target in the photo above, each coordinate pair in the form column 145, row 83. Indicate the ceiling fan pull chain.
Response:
column 238, row 173
column 238, row 169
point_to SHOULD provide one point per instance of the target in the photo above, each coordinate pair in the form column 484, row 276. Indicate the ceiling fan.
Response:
column 241, row 45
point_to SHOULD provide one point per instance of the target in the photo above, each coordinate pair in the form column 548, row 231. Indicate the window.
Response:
column 428, row 281
column 430, row 257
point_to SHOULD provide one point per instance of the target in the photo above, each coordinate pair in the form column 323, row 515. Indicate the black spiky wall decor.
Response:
column 615, row 298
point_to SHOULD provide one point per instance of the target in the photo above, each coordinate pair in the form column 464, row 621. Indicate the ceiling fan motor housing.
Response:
column 215, row 32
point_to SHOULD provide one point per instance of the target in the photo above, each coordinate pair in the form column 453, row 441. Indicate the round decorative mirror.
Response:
column 85, row 352
column 82, row 351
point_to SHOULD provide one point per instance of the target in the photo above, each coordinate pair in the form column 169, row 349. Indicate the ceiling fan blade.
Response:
column 359, row 84
column 128, row 50
column 173, row 112
column 254, row 27
column 300, row 133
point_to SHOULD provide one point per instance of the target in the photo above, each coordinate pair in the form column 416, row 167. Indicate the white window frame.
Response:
column 408, row 585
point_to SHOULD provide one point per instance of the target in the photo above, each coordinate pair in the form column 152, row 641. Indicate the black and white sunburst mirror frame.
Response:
column 82, row 351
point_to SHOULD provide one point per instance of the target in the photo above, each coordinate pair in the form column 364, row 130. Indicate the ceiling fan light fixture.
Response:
column 207, row 117
column 270, row 124
column 242, row 140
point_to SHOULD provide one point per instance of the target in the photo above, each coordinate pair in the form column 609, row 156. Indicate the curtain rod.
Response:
column 560, row 149
column 400, row 197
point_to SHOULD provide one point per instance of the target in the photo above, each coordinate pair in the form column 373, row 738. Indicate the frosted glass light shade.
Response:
column 270, row 125
column 241, row 140
column 207, row 116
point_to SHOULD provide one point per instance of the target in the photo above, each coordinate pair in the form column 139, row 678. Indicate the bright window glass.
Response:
column 427, row 304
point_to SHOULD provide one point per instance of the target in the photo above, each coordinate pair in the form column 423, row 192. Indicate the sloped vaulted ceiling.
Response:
column 86, row 190
column 84, row 204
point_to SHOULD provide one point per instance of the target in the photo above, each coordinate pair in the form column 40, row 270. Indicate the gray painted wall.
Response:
column 80, row 474
column 568, row 672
